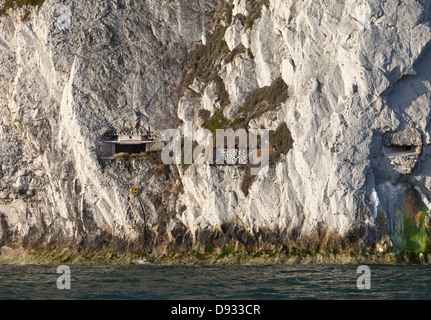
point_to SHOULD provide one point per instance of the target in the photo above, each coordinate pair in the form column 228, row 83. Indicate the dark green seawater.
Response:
column 270, row 282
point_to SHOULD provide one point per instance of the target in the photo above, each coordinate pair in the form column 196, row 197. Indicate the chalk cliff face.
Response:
column 357, row 115
column 71, row 73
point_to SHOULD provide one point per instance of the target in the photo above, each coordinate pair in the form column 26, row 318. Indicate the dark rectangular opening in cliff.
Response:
column 394, row 150
column 130, row 144
column 130, row 148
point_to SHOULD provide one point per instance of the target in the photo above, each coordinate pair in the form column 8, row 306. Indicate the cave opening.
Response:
column 130, row 148
column 396, row 150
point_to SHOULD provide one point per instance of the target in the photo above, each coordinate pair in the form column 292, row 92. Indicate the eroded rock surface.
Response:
column 357, row 73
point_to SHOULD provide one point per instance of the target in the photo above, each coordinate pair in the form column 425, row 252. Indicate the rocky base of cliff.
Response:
column 209, row 256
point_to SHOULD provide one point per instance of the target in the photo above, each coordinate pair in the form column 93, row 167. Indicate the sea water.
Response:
column 263, row 282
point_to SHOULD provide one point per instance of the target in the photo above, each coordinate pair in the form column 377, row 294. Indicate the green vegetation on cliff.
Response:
column 416, row 236
column 257, row 103
column 9, row 4
column 412, row 239
column 205, row 59
column 209, row 255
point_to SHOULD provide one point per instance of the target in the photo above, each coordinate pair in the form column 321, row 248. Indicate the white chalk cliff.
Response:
column 358, row 111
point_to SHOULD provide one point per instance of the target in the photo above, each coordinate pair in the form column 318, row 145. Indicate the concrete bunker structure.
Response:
column 125, row 142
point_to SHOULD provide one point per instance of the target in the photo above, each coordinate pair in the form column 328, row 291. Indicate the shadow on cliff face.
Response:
column 401, row 165
column 401, row 207
column 6, row 233
column 236, row 235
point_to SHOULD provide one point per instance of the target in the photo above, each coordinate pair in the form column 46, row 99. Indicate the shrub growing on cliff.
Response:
column 203, row 62
column 416, row 238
